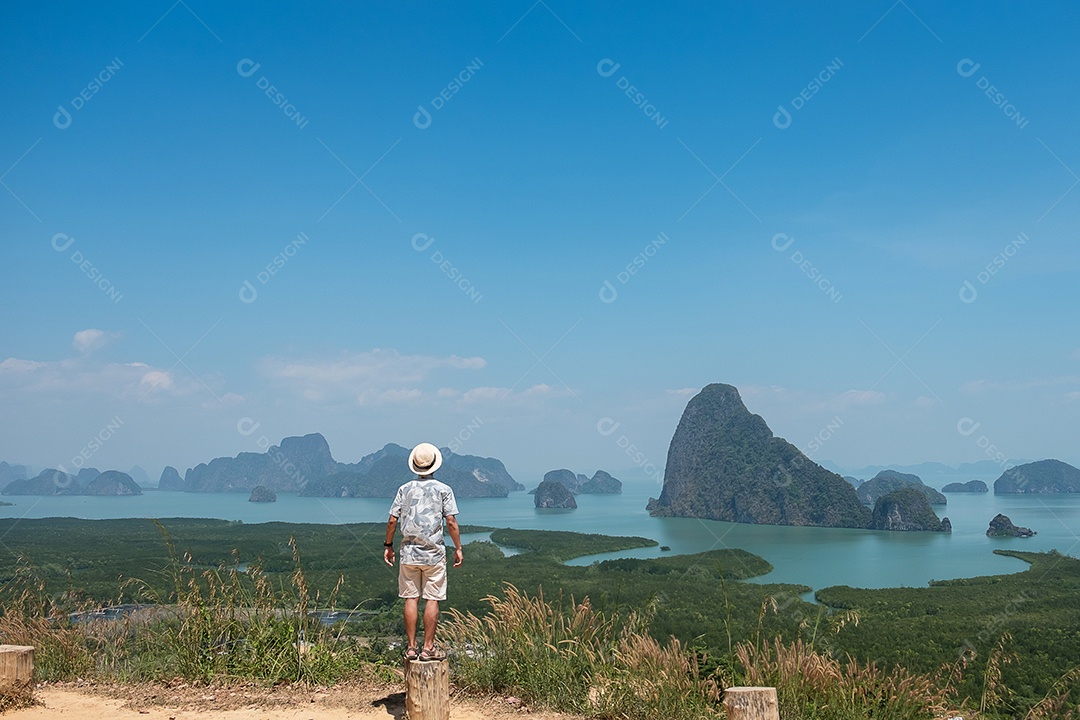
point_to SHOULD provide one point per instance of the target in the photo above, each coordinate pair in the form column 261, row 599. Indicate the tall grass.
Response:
column 811, row 685
column 31, row 616
column 210, row 624
column 226, row 622
column 569, row 657
column 576, row 659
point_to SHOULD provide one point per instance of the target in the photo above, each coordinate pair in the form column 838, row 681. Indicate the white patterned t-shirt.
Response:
column 420, row 506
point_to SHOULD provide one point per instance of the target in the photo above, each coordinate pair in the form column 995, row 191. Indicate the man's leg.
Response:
column 431, row 619
column 411, row 607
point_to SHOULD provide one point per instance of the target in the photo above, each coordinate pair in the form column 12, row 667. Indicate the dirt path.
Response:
column 247, row 702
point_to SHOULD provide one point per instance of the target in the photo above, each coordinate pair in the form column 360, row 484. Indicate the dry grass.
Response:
column 217, row 623
column 811, row 685
column 1059, row 703
column 31, row 617
column 576, row 659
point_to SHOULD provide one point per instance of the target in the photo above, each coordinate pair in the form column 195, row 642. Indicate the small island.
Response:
column 553, row 494
column 262, row 494
column 971, row 486
column 1002, row 526
column 5, row 504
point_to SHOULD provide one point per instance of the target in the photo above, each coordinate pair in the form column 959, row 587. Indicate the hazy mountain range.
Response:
column 304, row 465
column 983, row 468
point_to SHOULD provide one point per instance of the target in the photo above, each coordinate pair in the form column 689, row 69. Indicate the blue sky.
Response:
column 501, row 224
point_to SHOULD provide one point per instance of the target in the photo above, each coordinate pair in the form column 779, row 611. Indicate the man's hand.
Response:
column 388, row 545
column 455, row 535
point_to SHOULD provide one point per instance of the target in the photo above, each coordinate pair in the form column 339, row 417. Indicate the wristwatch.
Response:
column 388, row 545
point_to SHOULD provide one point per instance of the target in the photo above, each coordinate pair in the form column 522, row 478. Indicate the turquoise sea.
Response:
column 818, row 557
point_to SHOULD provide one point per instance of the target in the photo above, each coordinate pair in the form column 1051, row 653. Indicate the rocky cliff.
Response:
column 725, row 464
column 1002, row 526
column 112, row 483
column 262, row 494
column 553, row 494
column 170, row 479
column 906, row 509
column 282, row 468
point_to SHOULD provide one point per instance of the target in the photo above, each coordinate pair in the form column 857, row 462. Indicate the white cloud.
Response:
column 1075, row 354
column 925, row 402
column 684, row 392
column 154, row 379
column 86, row 341
column 1073, row 396
column 76, row 378
column 364, row 375
column 15, row 365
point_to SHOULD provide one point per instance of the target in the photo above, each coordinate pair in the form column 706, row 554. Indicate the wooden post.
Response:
column 427, row 690
column 751, row 703
column 16, row 671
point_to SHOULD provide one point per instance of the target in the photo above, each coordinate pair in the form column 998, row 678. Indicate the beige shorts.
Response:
column 432, row 578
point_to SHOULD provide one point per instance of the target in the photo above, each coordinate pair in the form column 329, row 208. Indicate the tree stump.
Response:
column 751, row 703
column 16, row 672
column 427, row 690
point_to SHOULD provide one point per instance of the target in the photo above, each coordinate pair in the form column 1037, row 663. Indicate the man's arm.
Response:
column 388, row 551
column 455, row 535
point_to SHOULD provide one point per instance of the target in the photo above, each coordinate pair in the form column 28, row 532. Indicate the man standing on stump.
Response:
column 419, row 508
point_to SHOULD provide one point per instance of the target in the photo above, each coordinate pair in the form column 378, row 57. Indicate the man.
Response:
column 420, row 507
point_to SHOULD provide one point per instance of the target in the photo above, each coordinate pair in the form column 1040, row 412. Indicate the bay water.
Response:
column 817, row 557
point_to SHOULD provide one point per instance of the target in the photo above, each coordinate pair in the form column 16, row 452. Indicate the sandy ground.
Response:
column 75, row 701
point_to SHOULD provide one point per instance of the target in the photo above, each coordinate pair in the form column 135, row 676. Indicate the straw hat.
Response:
column 425, row 459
